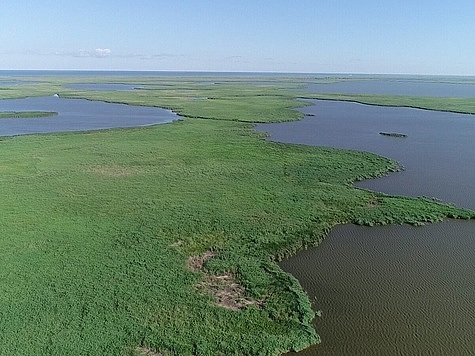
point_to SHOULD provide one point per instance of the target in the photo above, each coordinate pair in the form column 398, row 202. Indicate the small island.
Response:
column 26, row 114
column 393, row 134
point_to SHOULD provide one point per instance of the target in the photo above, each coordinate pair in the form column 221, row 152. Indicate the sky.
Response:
column 300, row 36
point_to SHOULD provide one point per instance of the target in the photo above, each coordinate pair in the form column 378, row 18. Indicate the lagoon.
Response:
column 78, row 115
column 438, row 154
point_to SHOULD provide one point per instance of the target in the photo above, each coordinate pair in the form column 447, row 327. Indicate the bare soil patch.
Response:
column 373, row 202
column 224, row 288
column 145, row 351
column 195, row 263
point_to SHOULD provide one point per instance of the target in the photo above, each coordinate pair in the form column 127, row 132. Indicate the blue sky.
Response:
column 313, row 36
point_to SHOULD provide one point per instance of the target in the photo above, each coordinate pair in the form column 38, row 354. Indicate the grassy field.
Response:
column 25, row 114
column 457, row 105
column 163, row 240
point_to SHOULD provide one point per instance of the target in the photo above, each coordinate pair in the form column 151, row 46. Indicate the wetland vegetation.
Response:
column 393, row 134
column 164, row 239
column 457, row 105
column 25, row 114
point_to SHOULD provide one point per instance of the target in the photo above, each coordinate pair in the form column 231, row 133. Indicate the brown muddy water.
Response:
column 393, row 290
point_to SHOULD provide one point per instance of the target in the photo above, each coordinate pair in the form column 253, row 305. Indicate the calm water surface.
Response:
column 78, row 115
column 395, row 87
column 394, row 290
column 438, row 154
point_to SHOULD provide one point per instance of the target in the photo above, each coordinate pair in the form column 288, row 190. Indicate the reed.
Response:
column 25, row 114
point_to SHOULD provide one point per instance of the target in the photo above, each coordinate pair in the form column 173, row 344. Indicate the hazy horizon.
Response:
column 212, row 72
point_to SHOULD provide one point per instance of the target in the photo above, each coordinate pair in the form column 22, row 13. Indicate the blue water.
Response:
column 77, row 115
column 438, row 153
column 394, row 86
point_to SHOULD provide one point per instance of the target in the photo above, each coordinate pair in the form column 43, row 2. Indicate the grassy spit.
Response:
column 456, row 105
column 25, row 114
column 164, row 239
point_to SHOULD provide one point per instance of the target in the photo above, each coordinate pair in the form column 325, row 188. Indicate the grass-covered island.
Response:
column 393, row 134
column 25, row 114
column 163, row 240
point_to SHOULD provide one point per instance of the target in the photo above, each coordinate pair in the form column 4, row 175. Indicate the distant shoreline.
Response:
column 180, row 73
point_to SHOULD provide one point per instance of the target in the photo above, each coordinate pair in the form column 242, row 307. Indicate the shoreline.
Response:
column 369, row 102
column 313, row 349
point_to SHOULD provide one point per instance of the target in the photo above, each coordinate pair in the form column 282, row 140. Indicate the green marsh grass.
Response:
column 25, row 114
column 456, row 105
column 98, row 227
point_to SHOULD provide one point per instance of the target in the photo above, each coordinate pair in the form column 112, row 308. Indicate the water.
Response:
column 395, row 87
column 394, row 290
column 104, row 86
column 77, row 115
column 438, row 153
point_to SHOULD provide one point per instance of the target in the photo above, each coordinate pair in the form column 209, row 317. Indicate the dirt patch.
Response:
column 224, row 288
column 227, row 292
column 145, row 351
column 373, row 202
column 195, row 263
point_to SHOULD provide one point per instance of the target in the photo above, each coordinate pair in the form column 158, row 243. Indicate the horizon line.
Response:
column 233, row 72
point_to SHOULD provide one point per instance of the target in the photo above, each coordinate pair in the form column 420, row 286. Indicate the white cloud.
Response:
column 102, row 52
column 84, row 53
column 143, row 56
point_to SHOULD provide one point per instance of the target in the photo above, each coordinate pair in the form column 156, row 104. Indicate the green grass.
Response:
column 457, row 105
column 97, row 227
column 231, row 102
column 25, row 114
